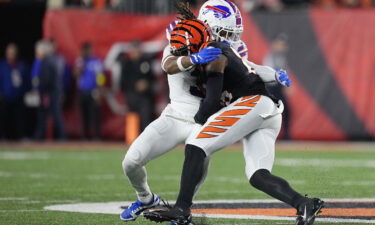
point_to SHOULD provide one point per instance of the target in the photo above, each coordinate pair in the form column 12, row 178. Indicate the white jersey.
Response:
column 241, row 48
column 183, row 105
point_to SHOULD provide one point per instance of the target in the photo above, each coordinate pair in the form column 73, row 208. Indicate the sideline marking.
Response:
column 115, row 208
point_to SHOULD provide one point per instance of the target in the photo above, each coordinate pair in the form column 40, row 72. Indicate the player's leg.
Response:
column 206, row 166
column 259, row 153
column 222, row 129
column 159, row 137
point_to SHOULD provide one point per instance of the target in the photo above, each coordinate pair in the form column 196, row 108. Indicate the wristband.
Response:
column 179, row 64
column 181, row 67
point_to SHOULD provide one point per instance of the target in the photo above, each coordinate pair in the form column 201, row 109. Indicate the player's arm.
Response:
column 268, row 74
column 214, row 87
column 175, row 64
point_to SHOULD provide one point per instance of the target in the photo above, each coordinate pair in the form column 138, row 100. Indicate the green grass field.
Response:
column 32, row 179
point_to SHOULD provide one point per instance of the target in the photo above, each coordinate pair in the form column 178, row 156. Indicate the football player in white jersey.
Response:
column 176, row 122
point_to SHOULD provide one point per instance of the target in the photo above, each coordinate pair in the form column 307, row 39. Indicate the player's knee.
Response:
column 259, row 177
column 130, row 163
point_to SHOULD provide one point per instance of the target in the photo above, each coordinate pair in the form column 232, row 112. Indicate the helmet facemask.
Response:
column 224, row 34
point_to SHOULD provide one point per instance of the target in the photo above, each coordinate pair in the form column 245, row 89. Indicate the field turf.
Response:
column 31, row 179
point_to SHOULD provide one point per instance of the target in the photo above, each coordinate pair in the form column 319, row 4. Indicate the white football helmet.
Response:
column 224, row 18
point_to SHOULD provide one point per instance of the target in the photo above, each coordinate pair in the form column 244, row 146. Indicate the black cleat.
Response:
column 175, row 214
column 308, row 211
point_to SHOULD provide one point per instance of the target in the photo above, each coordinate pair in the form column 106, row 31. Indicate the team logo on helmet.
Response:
column 219, row 11
column 238, row 18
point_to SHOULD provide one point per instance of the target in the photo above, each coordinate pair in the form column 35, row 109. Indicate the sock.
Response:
column 192, row 173
column 276, row 187
column 206, row 165
column 138, row 179
column 145, row 197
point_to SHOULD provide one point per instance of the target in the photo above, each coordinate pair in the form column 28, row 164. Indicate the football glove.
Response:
column 206, row 55
column 282, row 77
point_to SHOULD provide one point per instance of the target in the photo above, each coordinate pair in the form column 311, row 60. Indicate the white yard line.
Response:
column 22, row 155
column 318, row 162
column 21, row 210
column 13, row 199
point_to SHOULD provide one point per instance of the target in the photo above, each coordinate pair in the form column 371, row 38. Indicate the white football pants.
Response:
column 159, row 137
column 255, row 119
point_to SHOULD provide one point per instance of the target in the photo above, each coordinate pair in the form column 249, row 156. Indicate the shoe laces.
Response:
column 135, row 205
column 166, row 204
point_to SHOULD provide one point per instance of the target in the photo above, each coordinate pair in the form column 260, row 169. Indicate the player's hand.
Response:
column 282, row 77
column 206, row 55
column 199, row 119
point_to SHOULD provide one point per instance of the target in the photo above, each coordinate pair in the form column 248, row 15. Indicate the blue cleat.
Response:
column 135, row 209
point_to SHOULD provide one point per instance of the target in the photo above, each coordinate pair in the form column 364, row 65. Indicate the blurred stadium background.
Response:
column 329, row 53
column 327, row 47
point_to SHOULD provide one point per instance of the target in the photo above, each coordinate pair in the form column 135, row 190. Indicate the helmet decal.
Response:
column 220, row 11
column 234, row 7
column 238, row 18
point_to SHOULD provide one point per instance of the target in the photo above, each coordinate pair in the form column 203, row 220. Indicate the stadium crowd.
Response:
column 166, row 6
column 31, row 94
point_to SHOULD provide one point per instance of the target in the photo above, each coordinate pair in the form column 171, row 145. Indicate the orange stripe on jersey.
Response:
column 224, row 121
column 213, row 129
column 204, row 135
column 249, row 103
column 235, row 112
column 251, row 96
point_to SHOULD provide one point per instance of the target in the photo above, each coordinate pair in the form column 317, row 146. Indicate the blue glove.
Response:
column 206, row 55
column 282, row 77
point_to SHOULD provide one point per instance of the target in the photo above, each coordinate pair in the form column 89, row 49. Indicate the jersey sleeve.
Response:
column 266, row 73
column 242, row 50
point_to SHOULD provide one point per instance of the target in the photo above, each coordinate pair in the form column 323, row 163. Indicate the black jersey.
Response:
column 239, row 79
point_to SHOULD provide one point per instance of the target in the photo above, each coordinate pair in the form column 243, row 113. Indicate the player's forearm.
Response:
column 175, row 64
column 266, row 73
column 171, row 64
column 211, row 103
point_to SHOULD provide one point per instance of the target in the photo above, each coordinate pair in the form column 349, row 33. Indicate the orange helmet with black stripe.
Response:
column 188, row 36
